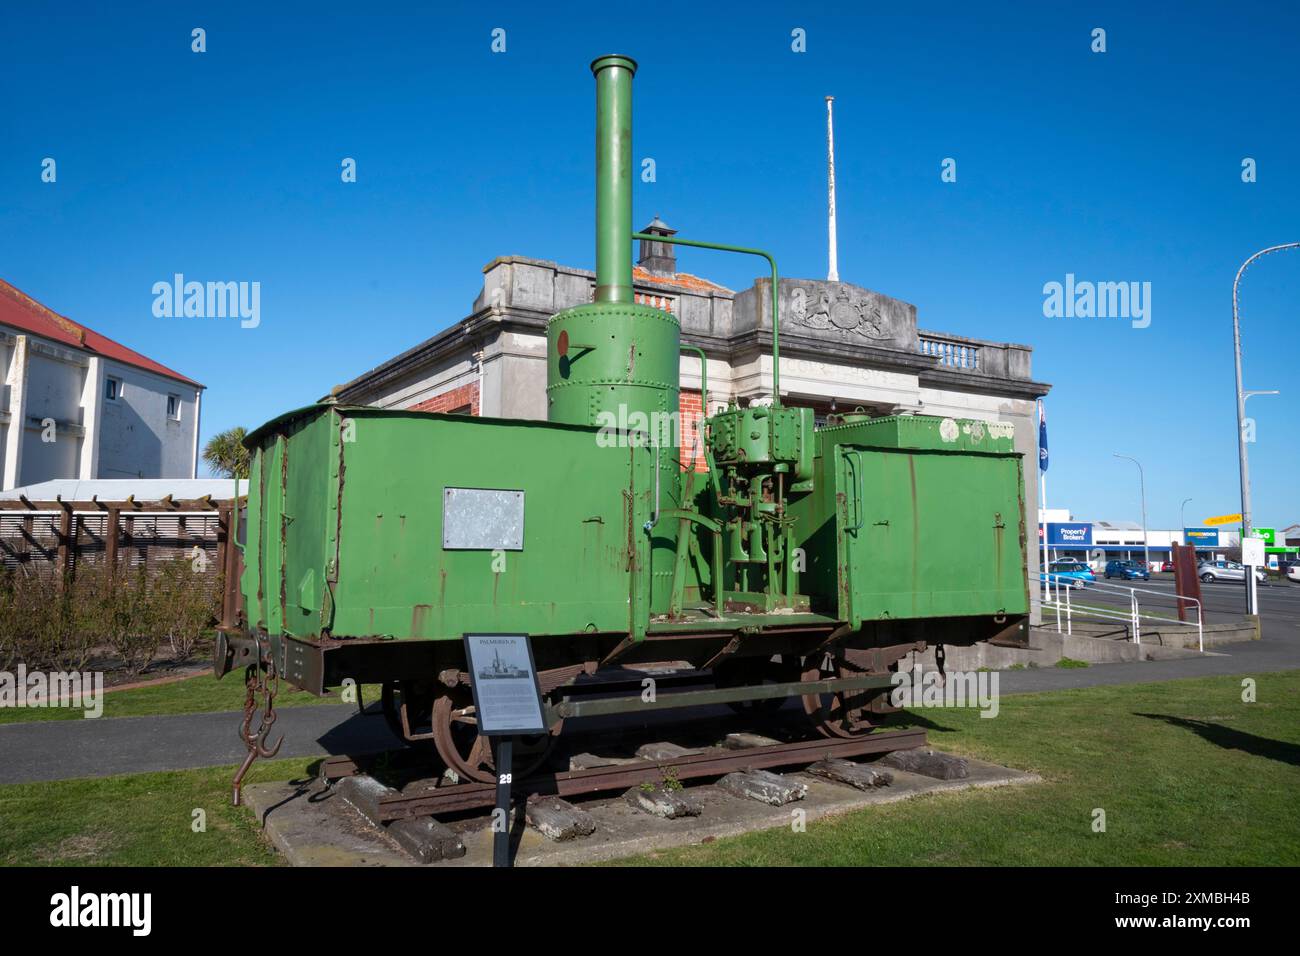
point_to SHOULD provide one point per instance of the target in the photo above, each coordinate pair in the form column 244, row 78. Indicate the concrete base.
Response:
column 315, row 828
column 1047, row 647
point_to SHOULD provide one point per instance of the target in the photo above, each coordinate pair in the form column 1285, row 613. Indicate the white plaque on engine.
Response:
column 482, row 519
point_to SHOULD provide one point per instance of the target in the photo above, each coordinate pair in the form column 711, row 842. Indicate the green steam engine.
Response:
column 806, row 562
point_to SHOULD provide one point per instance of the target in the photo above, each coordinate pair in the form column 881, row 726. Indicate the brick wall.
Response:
column 458, row 399
column 692, row 432
column 463, row 400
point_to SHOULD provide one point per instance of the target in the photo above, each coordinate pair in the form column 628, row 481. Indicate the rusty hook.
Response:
column 255, row 741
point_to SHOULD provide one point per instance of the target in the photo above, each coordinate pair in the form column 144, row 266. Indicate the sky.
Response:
column 1116, row 166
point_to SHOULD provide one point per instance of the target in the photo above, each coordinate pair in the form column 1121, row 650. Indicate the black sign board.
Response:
column 507, row 696
column 507, row 704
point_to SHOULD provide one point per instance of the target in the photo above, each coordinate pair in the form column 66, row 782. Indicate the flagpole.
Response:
column 1042, row 499
column 833, row 268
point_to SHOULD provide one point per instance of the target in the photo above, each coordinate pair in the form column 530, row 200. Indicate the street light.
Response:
column 1182, row 522
column 1142, row 483
column 1243, row 462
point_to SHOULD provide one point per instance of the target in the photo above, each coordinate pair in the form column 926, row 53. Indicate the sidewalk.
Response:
column 64, row 749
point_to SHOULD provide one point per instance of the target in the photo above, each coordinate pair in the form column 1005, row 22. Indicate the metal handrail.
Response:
column 1134, row 616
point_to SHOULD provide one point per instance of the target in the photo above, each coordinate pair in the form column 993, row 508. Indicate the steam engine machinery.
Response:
column 805, row 562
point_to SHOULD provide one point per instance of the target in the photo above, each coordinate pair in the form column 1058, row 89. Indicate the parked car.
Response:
column 1293, row 571
column 1127, row 570
column 1072, row 574
column 1166, row 566
column 1211, row 571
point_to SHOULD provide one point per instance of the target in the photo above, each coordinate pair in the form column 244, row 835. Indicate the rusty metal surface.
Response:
column 850, row 683
column 266, row 682
column 712, row 763
column 1186, row 582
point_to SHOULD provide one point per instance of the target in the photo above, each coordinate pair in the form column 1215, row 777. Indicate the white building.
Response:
column 1097, row 542
column 76, row 404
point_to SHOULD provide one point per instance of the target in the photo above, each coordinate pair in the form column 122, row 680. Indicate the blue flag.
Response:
column 1042, row 437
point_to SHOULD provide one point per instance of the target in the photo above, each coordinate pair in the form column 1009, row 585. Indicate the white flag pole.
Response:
column 1042, row 503
column 833, row 272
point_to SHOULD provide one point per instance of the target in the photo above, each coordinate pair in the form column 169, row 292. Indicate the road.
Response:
column 1279, row 603
column 63, row 749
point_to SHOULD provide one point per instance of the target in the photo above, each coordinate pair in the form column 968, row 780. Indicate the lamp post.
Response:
column 1142, row 484
column 1182, row 522
column 1242, row 460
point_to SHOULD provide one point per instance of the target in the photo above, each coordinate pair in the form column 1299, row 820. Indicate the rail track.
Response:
column 711, row 762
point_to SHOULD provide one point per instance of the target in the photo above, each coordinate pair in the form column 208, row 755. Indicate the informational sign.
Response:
column 1265, row 534
column 1224, row 519
column 1201, row 537
column 1079, row 535
column 507, row 696
column 1252, row 552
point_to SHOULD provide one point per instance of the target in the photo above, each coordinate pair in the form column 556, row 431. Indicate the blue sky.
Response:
column 1122, row 166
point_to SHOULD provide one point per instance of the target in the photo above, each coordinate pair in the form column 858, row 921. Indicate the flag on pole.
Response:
column 1042, row 437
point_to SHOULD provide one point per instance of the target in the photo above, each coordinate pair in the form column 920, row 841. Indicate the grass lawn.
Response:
column 194, row 695
column 1186, row 773
column 138, row 820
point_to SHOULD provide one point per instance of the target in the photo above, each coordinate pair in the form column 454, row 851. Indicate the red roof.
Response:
column 21, row 311
column 678, row 280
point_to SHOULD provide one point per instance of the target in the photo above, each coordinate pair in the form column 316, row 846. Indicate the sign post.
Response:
column 1252, row 556
column 507, row 704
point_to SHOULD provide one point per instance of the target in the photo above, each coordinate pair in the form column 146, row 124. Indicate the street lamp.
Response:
column 1241, row 417
column 1142, row 483
column 1182, row 522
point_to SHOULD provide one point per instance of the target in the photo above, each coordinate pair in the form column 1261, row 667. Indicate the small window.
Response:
column 174, row 407
column 113, row 389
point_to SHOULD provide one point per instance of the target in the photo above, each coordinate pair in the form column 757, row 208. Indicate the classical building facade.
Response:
column 841, row 347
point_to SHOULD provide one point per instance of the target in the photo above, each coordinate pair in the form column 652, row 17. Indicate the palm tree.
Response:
column 226, row 455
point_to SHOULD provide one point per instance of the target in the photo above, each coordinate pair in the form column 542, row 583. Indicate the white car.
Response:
column 1210, row 571
column 1293, row 572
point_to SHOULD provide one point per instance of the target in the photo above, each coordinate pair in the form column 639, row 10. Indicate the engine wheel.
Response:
column 467, row 752
column 846, row 714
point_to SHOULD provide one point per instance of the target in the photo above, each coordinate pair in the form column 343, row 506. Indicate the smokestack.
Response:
column 613, row 356
column 833, row 270
column 614, row 177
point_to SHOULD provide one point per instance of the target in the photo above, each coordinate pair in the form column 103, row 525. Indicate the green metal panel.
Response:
column 927, row 432
column 250, row 581
column 349, row 516
column 620, row 368
column 929, row 534
column 620, row 373
column 304, row 513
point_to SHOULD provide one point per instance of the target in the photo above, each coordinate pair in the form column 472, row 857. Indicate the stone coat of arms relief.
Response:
column 829, row 310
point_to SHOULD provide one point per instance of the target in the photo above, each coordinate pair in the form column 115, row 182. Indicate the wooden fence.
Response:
column 57, row 537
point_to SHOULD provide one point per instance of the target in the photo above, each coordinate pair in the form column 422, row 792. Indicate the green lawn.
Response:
column 138, row 820
column 1186, row 772
column 195, row 695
